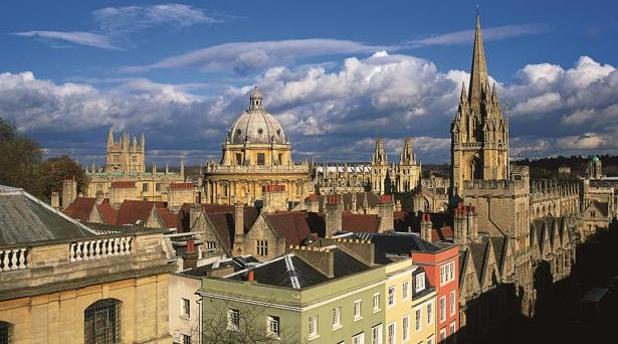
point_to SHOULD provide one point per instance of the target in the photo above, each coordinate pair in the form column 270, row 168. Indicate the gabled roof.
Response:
column 223, row 223
column 131, row 211
column 169, row 219
column 81, row 208
column 26, row 220
column 359, row 222
column 296, row 226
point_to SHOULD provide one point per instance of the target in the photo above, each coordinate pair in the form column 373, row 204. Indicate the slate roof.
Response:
column 25, row 220
column 400, row 243
column 284, row 271
column 238, row 263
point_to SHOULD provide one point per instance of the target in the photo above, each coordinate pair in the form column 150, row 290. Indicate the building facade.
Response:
column 256, row 152
column 64, row 282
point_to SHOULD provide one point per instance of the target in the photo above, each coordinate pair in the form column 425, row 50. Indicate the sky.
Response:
column 336, row 74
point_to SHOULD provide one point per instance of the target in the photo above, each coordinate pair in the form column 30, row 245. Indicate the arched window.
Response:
column 102, row 322
column 6, row 332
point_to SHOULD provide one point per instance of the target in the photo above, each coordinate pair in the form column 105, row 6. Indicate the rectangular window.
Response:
column 158, row 186
column 391, row 296
column 261, row 159
column 419, row 282
column 453, row 328
column 186, row 339
column 273, row 326
column 357, row 309
column 185, row 306
column 430, row 340
column 405, row 328
column 313, row 326
column 452, row 302
column 390, row 336
column 262, row 247
column 145, row 187
column 442, row 334
column 211, row 246
column 404, row 290
column 376, row 334
column 447, row 273
column 336, row 317
column 233, row 319
column 417, row 319
column 238, row 159
column 442, row 308
column 376, row 302
column 359, row 339
column 430, row 312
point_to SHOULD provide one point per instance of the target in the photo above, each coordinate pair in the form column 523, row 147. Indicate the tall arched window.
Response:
column 102, row 322
column 6, row 332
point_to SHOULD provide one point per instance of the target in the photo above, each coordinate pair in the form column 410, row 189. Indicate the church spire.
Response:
column 110, row 136
column 478, row 74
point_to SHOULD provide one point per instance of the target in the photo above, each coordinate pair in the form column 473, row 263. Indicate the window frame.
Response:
column 313, row 324
column 336, row 318
column 185, row 308
column 358, row 315
column 377, row 329
column 391, row 296
column 270, row 320
column 405, row 290
column 405, row 328
column 452, row 299
column 442, row 308
column 376, row 302
column 233, row 319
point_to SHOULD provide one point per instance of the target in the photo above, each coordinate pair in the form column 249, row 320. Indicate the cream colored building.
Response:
column 423, row 309
column 256, row 153
column 63, row 282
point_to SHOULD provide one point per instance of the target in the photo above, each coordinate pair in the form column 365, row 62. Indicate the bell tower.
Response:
column 479, row 132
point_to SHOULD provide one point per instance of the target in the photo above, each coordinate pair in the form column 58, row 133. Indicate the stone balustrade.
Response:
column 100, row 248
column 12, row 259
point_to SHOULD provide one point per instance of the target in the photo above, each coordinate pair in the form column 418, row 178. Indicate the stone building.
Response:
column 378, row 176
column 125, row 177
column 64, row 282
column 256, row 152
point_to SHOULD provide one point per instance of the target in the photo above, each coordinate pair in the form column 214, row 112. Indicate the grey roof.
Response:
column 400, row 243
column 26, row 220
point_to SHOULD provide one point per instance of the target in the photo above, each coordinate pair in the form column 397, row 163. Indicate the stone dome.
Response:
column 255, row 125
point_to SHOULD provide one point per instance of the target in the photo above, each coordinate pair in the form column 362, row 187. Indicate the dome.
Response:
column 255, row 125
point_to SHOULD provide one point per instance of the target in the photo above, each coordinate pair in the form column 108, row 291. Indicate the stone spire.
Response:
column 478, row 74
column 407, row 155
column 110, row 136
column 379, row 156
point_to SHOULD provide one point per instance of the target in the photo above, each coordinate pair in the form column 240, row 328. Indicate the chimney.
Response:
column 322, row 258
column 426, row 227
column 354, row 206
column 55, row 199
column 334, row 214
column 385, row 214
column 472, row 223
column 460, row 225
column 250, row 276
column 274, row 198
column 189, row 256
column 313, row 203
column 100, row 197
column 69, row 191
column 239, row 223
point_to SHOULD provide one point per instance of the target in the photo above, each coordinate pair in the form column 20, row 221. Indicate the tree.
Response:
column 55, row 170
column 251, row 326
column 20, row 160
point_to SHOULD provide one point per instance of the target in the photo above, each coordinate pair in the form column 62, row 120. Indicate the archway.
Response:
column 102, row 322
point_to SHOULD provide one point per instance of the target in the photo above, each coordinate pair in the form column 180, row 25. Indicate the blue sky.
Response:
column 335, row 73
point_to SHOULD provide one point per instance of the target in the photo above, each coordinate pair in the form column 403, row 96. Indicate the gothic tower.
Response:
column 125, row 155
column 379, row 168
column 479, row 132
column 408, row 172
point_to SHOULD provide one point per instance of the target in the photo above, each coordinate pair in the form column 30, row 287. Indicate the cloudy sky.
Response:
column 337, row 74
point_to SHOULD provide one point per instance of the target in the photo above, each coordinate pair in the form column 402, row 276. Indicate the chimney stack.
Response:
column 473, row 230
column 69, row 191
column 239, row 224
column 189, row 257
column 426, row 227
column 100, row 197
column 385, row 214
column 313, row 203
column 460, row 225
column 334, row 215
column 55, row 200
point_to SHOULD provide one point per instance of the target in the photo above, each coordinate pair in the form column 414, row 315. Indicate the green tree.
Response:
column 20, row 160
column 55, row 170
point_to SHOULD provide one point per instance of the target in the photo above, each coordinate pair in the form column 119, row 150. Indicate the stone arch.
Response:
column 475, row 168
column 102, row 322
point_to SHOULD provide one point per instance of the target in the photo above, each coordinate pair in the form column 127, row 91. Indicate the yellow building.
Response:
column 256, row 153
column 409, row 303
column 63, row 282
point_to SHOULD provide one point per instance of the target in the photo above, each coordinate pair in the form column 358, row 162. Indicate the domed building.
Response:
column 256, row 153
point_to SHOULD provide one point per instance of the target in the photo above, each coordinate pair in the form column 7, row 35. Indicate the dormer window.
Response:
column 419, row 282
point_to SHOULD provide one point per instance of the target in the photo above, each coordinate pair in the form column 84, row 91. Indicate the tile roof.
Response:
column 108, row 214
column 123, row 185
column 26, row 220
column 170, row 220
column 223, row 223
column 359, row 222
column 131, row 211
column 296, row 226
column 81, row 208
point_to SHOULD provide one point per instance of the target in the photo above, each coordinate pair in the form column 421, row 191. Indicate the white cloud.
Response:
column 250, row 56
column 75, row 37
column 489, row 34
column 133, row 18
